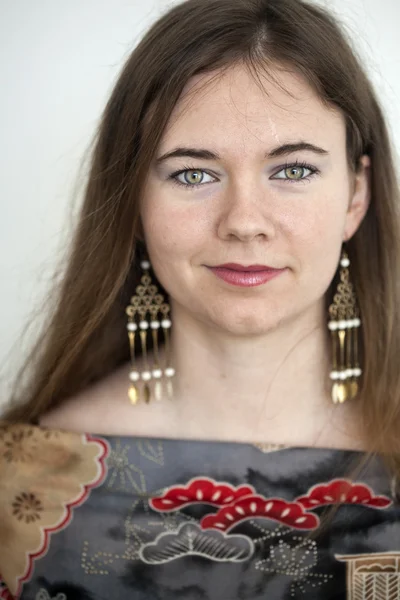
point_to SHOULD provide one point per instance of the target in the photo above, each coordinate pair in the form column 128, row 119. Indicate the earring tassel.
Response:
column 156, row 371
column 134, row 376
column 344, row 326
column 146, row 374
column 153, row 377
column 169, row 371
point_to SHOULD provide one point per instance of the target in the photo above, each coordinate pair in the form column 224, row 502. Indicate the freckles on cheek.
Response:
column 323, row 216
column 170, row 237
column 164, row 240
column 190, row 225
column 301, row 225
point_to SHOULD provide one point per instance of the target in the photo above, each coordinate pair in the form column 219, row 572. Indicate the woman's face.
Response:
column 270, row 186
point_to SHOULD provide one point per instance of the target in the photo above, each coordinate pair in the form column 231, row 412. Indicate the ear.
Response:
column 359, row 198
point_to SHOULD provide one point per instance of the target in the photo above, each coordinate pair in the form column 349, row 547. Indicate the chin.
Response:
column 248, row 324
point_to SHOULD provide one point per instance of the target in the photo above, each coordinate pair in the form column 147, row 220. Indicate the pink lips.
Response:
column 245, row 276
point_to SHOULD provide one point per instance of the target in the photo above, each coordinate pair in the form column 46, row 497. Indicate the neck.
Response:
column 274, row 386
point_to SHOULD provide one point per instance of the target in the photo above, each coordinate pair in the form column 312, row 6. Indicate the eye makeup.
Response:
column 302, row 165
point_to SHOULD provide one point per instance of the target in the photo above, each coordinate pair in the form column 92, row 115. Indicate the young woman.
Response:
column 213, row 410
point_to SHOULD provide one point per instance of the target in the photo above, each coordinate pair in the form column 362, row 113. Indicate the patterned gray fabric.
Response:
column 223, row 521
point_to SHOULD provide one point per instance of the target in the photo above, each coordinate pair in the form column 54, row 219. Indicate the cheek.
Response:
column 314, row 231
column 317, row 221
column 175, row 235
column 173, row 229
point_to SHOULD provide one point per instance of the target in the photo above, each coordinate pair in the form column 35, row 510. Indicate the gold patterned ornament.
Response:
column 147, row 313
column 344, row 326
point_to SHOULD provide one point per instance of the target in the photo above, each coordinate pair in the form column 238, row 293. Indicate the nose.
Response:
column 245, row 214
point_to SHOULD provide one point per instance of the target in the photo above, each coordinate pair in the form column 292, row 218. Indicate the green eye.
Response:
column 194, row 177
column 191, row 178
column 294, row 172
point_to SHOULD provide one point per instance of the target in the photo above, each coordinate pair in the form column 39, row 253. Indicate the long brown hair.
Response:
column 86, row 335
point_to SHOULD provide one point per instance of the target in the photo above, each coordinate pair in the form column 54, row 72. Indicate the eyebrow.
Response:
column 208, row 155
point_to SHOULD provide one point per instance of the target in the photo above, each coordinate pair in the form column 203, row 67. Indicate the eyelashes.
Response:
column 303, row 166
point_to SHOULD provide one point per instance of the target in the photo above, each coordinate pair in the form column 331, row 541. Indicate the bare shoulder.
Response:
column 104, row 408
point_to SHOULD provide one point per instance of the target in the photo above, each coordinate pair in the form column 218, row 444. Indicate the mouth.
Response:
column 245, row 276
column 247, row 269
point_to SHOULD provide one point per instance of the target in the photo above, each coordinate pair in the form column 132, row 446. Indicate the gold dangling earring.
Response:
column 148, row 300
column 344, row 327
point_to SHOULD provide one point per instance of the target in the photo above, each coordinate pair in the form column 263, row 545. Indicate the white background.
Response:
column 58, row 64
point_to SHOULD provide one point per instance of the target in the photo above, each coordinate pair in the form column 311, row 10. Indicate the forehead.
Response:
column 276, row 106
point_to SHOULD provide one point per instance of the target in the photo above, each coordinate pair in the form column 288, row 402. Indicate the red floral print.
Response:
column 343, row 491
column 291, row 514
column 200, row 490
